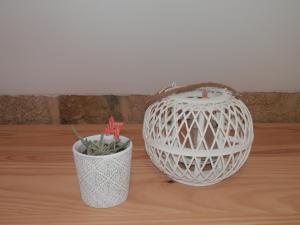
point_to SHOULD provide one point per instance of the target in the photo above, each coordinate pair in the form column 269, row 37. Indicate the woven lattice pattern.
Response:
column 198, row 140
column 103, row 180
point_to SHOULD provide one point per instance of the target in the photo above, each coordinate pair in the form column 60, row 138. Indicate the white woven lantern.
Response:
column 199, row 134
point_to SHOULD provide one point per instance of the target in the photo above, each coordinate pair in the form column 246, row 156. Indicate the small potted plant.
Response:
column 103, row 166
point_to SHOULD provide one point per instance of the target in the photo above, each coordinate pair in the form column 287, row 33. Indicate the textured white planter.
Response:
column 103, row 180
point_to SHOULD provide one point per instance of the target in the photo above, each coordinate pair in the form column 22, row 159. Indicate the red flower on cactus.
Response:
column 113, row 128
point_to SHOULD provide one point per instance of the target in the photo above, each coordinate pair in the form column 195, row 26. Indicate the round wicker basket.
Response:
column 198, row 134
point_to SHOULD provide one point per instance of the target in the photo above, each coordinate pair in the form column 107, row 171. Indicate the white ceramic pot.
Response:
column 103, row 180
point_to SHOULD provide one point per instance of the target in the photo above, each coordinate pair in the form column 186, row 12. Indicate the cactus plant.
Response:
column 102, row 147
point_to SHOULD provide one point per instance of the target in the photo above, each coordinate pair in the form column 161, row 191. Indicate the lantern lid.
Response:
column 201, row 93
column 204, row 95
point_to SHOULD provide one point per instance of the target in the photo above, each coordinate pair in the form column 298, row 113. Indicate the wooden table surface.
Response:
column 38, row 183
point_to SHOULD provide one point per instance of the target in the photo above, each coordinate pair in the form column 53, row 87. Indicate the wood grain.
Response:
column 38, row 183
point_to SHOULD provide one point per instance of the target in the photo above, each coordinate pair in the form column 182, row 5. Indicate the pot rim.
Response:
column 94, row 137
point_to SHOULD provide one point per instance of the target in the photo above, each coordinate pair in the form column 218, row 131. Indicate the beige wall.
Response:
column 136, row 46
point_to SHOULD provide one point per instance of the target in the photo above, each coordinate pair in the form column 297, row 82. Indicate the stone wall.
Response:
column 69, row 109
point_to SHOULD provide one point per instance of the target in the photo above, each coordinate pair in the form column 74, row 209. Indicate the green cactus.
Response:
column 101, row 147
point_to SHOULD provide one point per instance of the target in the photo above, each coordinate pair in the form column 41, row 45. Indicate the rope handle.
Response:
column 173, row 90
